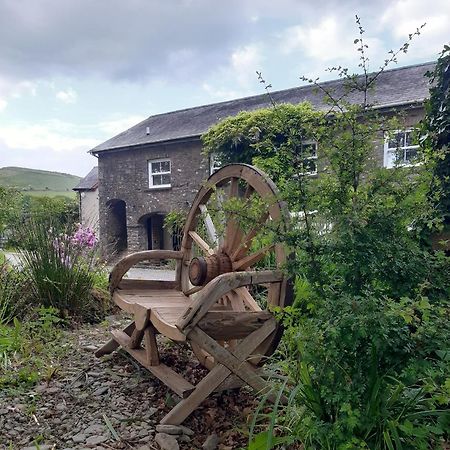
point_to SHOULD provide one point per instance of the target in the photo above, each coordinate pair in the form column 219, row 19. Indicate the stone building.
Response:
column 157, row 165
column 87, row 190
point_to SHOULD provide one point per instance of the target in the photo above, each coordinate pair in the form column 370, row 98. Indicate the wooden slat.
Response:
column 210, row 227
column 219, row 287
column 246, row 242
column 252, row 259
column 201, row 243
column 170, row 378
column 225, row 325
column 122, row 267
column 248, row 299
column 151, row 347
column 112, row 345
column 128, row 283
column 216, row 376
column 234, row 363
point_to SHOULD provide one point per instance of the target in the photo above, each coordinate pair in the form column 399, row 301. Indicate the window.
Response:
column 400, row 149
column 214, row 163
column 159, row 173
column 307, row 159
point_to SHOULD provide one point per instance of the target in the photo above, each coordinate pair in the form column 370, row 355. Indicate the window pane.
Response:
column 397, row 140
column 409, row 139
column 309, row 149
column 165, row 166
column 165, row 179
column 410, row 154
column 309, row 166
column 156, row 167
column 157, row 180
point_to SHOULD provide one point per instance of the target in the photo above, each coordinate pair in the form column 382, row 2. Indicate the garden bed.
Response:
column 111, row 402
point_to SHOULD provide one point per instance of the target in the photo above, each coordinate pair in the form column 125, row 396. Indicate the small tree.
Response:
column 361, row 338
column 436, row 135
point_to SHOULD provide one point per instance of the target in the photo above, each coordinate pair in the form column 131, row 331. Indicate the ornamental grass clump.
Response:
column 62, row 269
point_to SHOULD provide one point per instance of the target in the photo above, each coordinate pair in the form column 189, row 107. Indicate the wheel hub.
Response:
column 203, row 269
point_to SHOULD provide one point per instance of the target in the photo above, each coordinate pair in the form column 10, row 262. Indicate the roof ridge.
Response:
column 305, row 86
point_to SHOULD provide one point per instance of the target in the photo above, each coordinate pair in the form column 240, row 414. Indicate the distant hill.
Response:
column 38, row 182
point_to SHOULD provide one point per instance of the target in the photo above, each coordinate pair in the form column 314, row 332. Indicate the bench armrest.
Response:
column 217, row 288
column 125, row 264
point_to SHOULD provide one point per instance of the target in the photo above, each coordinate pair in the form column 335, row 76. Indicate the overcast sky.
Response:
column 74, row 73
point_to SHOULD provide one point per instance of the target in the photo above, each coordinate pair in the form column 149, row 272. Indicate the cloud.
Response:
column 56, row 135
column 68, row 96
column 403, row 17
column 330, row 40
column 15, row 89
column 245, row 61
column 131, row 40
column 116, row 126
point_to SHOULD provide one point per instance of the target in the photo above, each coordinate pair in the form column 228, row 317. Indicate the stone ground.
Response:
column 113, row 403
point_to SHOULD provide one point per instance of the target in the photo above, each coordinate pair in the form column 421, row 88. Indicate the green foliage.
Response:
column 260, row 135
column 33, row 180
column 61, row 270
column 30, row 350
column 10, row 206
column 364, row 350
column 436, row 133
column 13, row 292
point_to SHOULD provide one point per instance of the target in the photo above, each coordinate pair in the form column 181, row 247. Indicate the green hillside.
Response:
column 38, row 182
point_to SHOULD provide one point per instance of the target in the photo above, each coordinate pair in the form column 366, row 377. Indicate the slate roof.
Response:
column 89, row 182
column 395, row 87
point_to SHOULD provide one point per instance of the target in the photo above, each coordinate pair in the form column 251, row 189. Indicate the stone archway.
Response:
column 155, row 237
column 116, row 225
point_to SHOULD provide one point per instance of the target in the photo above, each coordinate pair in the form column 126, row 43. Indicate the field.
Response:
column 38, row 182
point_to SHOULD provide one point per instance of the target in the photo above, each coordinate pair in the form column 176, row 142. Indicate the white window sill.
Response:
column 159, row 187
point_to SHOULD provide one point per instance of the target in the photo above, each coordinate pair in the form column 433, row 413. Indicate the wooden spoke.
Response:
column 252, row 259
column 210, row 227
column 249, row 190
column 201, row 243
column 248, row 299
column 236, row 301
column 246, row 242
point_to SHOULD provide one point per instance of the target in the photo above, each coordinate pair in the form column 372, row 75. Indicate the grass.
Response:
column 69, row 194
column 38, row 182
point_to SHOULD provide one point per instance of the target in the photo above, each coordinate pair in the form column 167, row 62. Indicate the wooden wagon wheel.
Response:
column 232, row 215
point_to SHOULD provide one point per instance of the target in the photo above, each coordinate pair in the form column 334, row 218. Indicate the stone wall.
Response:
column 124, row 175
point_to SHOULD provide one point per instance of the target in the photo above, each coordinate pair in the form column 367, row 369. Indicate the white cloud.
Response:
column 54, row 135
column 68, row 96
column 116, row 126
column 329, row 40
column 245, row 61
column 220, row 93
column 15, row 89
column 403, row 17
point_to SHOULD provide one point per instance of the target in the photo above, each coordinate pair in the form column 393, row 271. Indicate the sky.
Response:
column 75, row 73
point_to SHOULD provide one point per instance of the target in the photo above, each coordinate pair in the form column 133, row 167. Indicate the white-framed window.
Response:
column 159, row 171
column 214, row 163
column 400, row 149
column 307, row 159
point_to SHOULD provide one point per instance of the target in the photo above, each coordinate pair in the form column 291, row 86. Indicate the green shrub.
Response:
column 13, row 292
column 62, row 269
column 29, row 350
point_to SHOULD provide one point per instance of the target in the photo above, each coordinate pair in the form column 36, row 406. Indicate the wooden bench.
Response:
column 210, row 304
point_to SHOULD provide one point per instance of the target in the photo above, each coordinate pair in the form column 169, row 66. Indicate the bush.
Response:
column 62, row 269
column 366, row 371
column 29, row 350
column 13, row 292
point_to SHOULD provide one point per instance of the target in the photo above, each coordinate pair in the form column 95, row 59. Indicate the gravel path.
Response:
column 113, row 403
